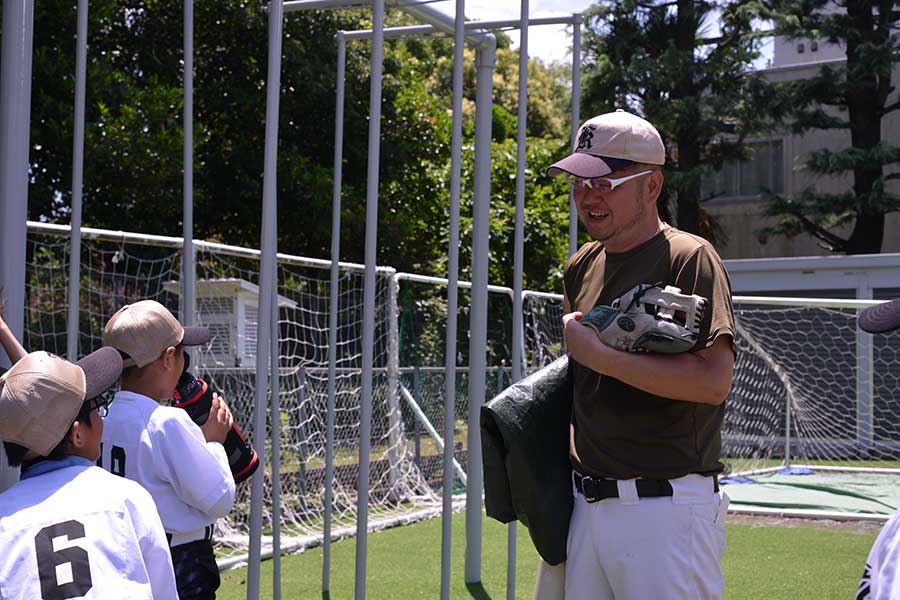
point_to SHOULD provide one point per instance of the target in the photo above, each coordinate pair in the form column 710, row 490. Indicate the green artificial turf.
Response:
column 405, row 563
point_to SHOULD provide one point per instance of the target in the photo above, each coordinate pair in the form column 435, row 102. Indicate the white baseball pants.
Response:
column 630, row 548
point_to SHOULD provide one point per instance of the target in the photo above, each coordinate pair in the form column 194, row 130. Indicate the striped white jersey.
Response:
column 881, row 579
column 162, row 449
column 71, row 530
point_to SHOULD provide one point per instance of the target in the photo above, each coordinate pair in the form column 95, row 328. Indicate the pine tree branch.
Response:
column 834, row 242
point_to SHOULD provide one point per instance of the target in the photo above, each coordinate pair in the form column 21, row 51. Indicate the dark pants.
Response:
column 196, row 573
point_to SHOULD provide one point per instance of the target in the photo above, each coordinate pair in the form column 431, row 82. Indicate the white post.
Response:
column 74, row 308
column 518, row 262
column 452, row 299
column 576, row 120
column 392, row 395
column 484, row 58
column 333, row 307
column 188, row 255
column 865, row 380
column 276, row 442
column 369, row 293
column 267, row 266
column 15, row 119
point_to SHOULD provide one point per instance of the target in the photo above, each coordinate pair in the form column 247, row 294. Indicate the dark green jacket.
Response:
column 525, row 451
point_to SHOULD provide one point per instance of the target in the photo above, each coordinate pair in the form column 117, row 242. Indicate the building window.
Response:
column 800, row 48
column 813, row 46
column 763, row 171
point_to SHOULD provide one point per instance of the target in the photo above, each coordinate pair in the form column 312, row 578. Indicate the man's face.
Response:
column 620, row 218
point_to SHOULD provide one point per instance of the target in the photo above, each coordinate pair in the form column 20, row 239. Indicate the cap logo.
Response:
column 584, row 140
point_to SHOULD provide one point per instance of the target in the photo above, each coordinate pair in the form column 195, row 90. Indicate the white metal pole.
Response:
column 452, row 298
column 333, row 306
column 576, row 120
column 865, row 379
column 188, row 257
column 267, row 266
column 15, row 119
column 276, row 441
column 484, row 58
column 369, row 293
column 518, row 261
column 74, row 309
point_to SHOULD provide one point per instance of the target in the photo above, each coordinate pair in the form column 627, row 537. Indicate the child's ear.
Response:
column 76, row 438
column 169, row 357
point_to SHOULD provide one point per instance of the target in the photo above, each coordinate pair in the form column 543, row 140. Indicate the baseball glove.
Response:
column 649, row 318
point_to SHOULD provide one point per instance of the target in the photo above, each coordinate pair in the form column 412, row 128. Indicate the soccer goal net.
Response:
column 117, row 269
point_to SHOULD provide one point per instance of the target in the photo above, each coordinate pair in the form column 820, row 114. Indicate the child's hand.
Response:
column 219, row 422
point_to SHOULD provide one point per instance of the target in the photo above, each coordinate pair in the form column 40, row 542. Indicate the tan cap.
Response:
column 145, row 329
column 40, row 396
column 610, row 142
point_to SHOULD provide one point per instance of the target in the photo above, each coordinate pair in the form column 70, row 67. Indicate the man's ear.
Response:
column 655, row 184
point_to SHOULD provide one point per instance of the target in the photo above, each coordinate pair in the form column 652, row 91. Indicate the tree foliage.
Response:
column 855, row 97
column 133, row 135
column 667, row 62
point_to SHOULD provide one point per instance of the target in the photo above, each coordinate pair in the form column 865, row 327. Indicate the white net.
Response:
column 802, row 365
column 805, row 368
column 117, row 273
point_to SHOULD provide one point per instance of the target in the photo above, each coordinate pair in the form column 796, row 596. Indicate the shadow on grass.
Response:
column 326, row 595
column 477, row 591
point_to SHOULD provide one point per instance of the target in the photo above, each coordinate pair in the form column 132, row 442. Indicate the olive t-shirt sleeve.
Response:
column 704, row 274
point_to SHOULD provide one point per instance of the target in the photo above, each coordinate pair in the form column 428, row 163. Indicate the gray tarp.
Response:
column 525, row 449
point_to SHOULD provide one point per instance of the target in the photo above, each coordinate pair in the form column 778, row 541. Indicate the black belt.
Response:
column 595, row 489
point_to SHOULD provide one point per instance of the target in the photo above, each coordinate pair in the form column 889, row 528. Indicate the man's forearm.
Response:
column 703, row 377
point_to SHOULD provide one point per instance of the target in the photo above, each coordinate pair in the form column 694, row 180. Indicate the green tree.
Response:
column 133, row 144
column 663, row 60
column 852, row 97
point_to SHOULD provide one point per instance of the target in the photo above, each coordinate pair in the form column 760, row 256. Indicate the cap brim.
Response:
column 101, row 370
column 580, row 164
column 195, row 335
column 881, row 318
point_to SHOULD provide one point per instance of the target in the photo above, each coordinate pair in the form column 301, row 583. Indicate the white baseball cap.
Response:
column 41, row 394
column 610, row 142
column 143, row 331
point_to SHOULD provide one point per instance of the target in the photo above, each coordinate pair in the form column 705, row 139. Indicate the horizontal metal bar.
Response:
column 484, row 26
column 146, row 239
column 498, row 289
column 805, row 302
column 298, row 5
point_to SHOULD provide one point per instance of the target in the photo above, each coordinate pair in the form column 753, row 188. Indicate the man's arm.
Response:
column 703, row 376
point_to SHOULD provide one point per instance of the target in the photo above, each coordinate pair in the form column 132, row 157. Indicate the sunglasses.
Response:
column 100, row 404
column 604, row 184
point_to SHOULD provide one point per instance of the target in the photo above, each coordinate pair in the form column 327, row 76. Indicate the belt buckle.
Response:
column 586, row 481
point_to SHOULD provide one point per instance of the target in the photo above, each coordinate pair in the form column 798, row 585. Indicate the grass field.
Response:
column 809, row 561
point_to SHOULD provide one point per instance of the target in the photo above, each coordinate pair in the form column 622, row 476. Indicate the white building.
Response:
column 777, row 165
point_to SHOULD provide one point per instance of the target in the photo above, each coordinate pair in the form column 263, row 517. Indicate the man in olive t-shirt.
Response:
column 648, row 520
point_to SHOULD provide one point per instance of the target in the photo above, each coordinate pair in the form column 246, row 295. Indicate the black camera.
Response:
column 195, row 396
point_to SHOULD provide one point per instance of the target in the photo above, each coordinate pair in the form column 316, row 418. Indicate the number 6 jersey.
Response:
column 69, row 529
